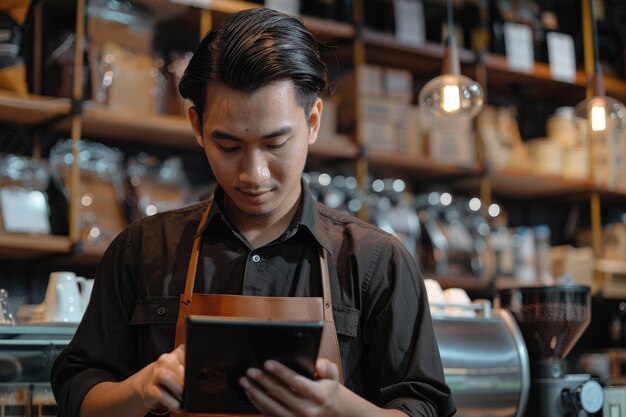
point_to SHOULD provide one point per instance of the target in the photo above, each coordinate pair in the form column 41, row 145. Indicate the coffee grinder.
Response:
column 552, row 319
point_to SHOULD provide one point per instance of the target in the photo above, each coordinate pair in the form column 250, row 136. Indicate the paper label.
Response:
column 410, row 27
column 518, row 42
column 291, row 7
column 452, row 141
column 562, row 57
column 202, row 4
column 24, row 211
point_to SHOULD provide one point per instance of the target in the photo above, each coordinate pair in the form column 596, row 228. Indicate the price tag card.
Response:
column 452, row 141
column 291, row 7
column 410, row 26
column 202, row 4
column 562, row 57
column 518, row 42
column 24, row 211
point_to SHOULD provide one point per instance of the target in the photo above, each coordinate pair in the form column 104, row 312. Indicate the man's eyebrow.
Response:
column 285, row 130
column 219, row 134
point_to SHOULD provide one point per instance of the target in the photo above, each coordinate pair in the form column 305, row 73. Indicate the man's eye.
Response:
column 229, row 149
column 278, row 145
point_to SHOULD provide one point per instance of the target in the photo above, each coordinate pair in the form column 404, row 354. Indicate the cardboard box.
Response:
column 398, row 85
column 452, row 141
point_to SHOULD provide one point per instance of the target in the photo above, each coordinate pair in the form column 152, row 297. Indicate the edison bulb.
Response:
column 451, row 98
column 598, row 118
column 603, row 113
column 452, row 95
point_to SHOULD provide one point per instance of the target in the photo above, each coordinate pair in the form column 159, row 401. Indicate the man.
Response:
column 255, row 86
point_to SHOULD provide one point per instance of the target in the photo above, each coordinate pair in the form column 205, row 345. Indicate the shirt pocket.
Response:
column 155, row 311
column 346, row 320
column 154, row 325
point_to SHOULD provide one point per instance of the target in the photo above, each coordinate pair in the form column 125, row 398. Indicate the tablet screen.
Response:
column 219, row 350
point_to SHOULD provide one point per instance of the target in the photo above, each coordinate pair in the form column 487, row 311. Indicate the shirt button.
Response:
column 256, row 258
column 161, row 311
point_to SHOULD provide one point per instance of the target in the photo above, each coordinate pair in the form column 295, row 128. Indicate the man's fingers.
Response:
column 264, row 402
column 174, row 387
column 167, row 399
column 326, row 369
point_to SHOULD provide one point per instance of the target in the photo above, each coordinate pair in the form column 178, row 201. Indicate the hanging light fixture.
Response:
column 605, row 115
column 451, row 94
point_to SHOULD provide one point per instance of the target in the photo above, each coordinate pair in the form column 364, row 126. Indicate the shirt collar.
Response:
column 307, row 216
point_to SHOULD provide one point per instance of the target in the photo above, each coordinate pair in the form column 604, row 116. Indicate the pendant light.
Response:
column 605, row 115
column 451, row 94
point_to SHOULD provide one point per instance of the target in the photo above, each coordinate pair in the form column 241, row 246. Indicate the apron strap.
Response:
column 193, row 265
column 193, row 269
column 326, row 297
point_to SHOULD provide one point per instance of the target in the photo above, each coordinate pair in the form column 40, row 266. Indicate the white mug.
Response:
column 63, row 302
column 86, row 286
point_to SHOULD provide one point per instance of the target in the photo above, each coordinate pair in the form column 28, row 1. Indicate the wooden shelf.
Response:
column 23, row 246
column 320, row 27
column 31, row 109
column 541, row 77
column 611, row 266
column 328, row 28
column 383, row 49
column 524, row 184
column 420, row 167
column 611, row 195
column 343, row 149
column 222, row 6
column 174, row 132
column 85, row 254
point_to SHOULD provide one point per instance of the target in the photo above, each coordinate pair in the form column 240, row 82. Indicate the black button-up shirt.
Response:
column 388, row 349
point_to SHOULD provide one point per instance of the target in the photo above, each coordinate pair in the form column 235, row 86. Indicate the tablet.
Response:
column 219, row 350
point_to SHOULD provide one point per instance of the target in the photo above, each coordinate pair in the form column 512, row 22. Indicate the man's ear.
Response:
column 315, row 118
column 196, row 121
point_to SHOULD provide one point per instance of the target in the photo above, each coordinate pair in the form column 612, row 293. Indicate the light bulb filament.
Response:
column 451, row 98
column 598, row 118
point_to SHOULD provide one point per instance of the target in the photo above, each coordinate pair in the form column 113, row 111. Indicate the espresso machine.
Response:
column 551, row 320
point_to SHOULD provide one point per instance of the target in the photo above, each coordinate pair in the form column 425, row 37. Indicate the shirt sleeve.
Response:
column 402, row 350
column 101, row 349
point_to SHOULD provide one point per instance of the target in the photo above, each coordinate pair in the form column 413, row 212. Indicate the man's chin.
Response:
column 255, row 213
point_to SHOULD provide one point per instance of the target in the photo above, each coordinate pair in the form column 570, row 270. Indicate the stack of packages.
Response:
column 12, row 70
column 387, row 119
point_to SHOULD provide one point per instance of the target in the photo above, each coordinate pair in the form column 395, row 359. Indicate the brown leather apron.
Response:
column 275, row 308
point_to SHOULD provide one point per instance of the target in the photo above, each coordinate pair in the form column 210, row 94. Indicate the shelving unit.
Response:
column 23, row 247
column 524, row 184
column 173, row 132
column 31, row 110
column 384, row 49
column 417, row 168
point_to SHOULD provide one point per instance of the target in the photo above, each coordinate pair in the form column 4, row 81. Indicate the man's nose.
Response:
column 255, row 169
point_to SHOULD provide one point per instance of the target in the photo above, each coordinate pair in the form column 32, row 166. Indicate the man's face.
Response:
column 257, row 146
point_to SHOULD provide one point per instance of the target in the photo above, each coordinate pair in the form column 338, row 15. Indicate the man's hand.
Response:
column 278, row 391
column 160, row 385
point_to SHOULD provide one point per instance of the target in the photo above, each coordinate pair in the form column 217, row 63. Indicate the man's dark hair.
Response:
column 251, row 49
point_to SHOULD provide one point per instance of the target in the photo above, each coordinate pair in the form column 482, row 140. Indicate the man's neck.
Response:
column 260, row 231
